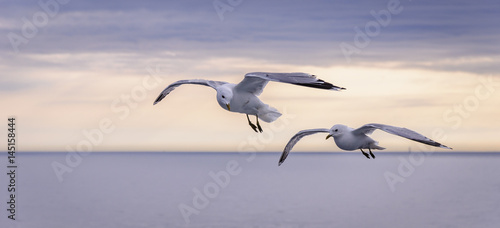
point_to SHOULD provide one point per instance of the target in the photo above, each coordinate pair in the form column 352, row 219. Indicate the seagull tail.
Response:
column 375, row 146
column 268, row 114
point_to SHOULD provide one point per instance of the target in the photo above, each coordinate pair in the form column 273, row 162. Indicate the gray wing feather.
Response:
column 176, row 84
column 256, row 81
column 296, row 138
column 399, row 131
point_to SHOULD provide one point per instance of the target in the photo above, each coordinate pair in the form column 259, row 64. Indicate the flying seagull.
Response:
column 243, row 97
column 348, row 138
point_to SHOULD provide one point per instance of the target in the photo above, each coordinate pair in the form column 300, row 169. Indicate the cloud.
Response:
column 294, row 32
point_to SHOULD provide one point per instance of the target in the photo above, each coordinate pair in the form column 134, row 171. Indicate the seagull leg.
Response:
column 373, row 156
column 258, row 125
column 364, row 153
column 252, row 125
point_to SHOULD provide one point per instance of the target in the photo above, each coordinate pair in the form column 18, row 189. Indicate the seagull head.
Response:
column 337, row 130
column 224, row 96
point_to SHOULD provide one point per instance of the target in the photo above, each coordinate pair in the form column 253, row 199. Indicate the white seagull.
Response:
column 348, row 138
column 243, row 97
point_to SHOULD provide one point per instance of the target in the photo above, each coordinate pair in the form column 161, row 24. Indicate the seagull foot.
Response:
column 366, row 154
column 258, row 124
column 373, row 156
column 253, row 125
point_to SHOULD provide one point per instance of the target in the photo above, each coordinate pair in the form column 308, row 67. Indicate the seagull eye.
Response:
column 336, row 130
column 223, row 96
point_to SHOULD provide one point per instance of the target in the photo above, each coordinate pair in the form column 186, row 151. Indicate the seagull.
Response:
column 348, row 138
column 243, row 97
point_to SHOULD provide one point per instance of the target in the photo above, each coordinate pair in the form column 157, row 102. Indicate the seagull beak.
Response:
column 328, row 136
column 228, row 107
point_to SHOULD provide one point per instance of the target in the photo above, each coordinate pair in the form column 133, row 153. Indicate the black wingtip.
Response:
column 321, row 84
column 159, row 98
column 282, row 158
column 445, row 147
column 324, row 85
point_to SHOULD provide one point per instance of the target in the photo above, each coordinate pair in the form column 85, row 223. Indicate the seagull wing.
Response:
column 296, row 138
column 174, row 85
column 256, row 81
column 399, row 131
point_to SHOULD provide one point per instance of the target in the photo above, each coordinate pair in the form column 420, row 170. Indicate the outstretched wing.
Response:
column 403, row 132
column 256, row 81
column 296, row 138
column 174, row 85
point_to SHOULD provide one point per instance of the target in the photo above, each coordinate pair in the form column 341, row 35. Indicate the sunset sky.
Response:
column 83, row 75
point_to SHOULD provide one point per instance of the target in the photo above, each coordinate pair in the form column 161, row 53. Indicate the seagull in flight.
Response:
column 348, row 138
column 243, row 97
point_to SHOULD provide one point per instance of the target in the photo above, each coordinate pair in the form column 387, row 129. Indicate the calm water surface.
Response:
column 245, row 190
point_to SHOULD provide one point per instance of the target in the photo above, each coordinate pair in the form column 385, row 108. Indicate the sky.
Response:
column 83, row 75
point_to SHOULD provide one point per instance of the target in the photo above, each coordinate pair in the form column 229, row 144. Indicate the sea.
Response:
column 250, row 190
